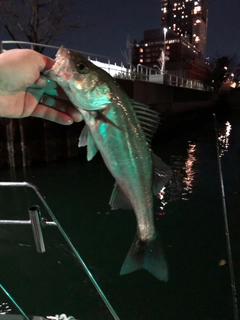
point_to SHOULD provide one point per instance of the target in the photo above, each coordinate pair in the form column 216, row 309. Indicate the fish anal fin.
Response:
column 146, row 255
column 119, row 200
column 162, row 174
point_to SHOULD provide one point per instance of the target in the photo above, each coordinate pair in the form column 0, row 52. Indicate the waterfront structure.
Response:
column 182, row 58
column 180, row 50
column 188, row 19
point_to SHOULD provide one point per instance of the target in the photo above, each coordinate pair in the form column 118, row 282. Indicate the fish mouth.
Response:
column 61, row 67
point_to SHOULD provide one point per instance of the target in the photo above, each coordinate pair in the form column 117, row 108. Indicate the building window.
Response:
column 197, row 9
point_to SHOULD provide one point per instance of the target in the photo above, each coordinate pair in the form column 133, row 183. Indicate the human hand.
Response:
column 25, row 92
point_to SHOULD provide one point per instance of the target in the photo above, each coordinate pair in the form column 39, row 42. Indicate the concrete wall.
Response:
column 168, row 100
column 31, row 140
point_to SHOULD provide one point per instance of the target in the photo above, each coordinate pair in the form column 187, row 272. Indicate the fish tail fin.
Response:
column 146, row 255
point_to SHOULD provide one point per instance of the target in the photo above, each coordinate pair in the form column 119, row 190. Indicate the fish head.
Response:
column 85, row 84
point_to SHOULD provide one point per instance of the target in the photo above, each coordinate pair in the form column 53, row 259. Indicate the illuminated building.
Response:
column 183, row 58
column 187, row 19
column 184, row 44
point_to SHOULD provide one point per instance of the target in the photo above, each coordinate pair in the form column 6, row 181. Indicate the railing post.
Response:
column 35, row 217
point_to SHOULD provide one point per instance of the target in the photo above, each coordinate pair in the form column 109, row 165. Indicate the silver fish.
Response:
column 113, row 128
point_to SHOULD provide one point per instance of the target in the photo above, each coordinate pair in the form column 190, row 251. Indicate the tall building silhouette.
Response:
column 188, row 19
column 182, row 47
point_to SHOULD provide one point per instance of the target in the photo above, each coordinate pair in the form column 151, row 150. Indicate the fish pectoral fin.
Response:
column 86, row 139
column 146, row 255
column 83, row 138
column 162, row 174
column 119, row 200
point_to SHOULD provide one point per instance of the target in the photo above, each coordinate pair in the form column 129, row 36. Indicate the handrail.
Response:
column 154, row 75
column 116, row 70
column 32, row 44
column 142, row 72
column 75, row 252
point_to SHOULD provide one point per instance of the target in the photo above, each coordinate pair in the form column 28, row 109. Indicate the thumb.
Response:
column 47, row 63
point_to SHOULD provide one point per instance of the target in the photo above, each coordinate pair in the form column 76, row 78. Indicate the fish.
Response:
column 120, row 129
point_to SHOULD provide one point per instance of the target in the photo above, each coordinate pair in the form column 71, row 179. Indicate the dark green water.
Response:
column 189, row 217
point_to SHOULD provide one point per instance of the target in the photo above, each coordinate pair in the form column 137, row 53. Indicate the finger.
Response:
column 51, row 114
column 67, row 107
column 50, row 87
column 62, row 106
column 48, row 63
column 47, row 101
column 37, row 93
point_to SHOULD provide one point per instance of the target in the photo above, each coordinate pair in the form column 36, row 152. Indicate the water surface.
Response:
column 189, row 216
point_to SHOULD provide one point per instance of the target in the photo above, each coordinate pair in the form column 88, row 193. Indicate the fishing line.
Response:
column 230, row 261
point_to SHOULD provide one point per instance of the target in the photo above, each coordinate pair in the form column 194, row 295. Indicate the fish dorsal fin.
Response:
column 118, row 199
column 86, row 139
column 148, row 119
column 162, row 174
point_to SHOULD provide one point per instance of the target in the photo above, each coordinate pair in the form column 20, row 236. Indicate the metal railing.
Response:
column 118, row 69
column 36, row 221
column 153, row 75
column 113, row 66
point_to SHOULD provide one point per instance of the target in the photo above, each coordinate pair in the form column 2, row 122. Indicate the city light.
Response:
column 223, row 138
column 164, row 51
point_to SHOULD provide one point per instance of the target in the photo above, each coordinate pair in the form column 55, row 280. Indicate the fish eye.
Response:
column 81, row 67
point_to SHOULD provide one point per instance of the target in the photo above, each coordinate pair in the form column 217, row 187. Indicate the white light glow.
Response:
column 188, row 179
column 224, row 138
column 197, row 9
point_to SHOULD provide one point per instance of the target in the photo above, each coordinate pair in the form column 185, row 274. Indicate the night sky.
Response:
column 113, row 20
column 110, row 22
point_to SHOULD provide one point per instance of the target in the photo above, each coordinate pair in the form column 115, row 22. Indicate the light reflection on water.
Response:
column 4, row 308
column 224, row 135
column 181, row 185
column 186, row 233
column 189, row 171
